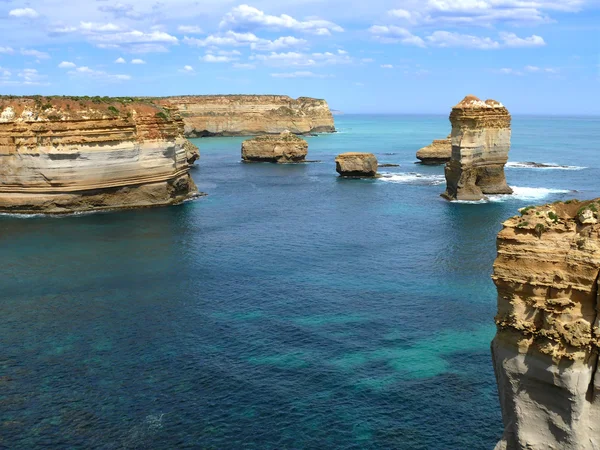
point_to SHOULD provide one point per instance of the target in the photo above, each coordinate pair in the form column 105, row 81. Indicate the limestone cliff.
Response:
column 545, row 351
column 480, row 145
column 60, row 155
column 247, row 115
column 438, row 152
column 283, row 148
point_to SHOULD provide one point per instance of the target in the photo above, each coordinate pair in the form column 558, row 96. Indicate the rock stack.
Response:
column 545, row 352
column 356, row 165
column 480, row 145
column 284, row 148
column 439, row 152
column 65, row 154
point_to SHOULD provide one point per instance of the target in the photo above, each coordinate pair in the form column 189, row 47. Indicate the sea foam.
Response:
column 413, row 178
column 541, row 166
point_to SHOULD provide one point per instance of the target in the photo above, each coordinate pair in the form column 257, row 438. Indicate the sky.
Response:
column 367, row 56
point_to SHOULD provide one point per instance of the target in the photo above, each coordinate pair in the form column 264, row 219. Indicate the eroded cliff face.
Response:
column 247, row 115
column 480, row 145
column 61, row 155
column 545, row 352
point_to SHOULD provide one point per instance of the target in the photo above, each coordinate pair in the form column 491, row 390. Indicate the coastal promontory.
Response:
column 545, row 352
column 480, row 144
column 282, row 148
column 249, row 115
column 70, row 154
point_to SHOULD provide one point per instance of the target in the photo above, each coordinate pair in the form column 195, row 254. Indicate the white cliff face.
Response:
column 545, row 351
column 72, row 156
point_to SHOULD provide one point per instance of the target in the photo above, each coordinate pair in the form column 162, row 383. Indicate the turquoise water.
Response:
column 288, row 309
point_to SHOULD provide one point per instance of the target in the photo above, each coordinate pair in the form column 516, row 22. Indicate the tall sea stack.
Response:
column 480, row 145
column 545, row 352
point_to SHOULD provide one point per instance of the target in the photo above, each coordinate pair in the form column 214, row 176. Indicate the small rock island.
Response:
column 284, row 148
column 480, row 144
column 356, row 165
column 437, row 153
column 546, row 348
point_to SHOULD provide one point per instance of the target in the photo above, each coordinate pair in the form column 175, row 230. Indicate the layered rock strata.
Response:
column 283, row 148
column 248, row 115
column 480, row 145
column 438, row 152
column 61, row 155
column 356, row 165
column 545, row 352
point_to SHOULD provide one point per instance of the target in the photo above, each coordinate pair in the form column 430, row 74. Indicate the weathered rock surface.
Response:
column 439, row 152
column 545, row 352
column 480, row 145
column 283, row 148
column 248, row 115
column 60, row 155
column 355, row 164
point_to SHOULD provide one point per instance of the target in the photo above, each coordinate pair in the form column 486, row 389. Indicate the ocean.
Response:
column 288, row 309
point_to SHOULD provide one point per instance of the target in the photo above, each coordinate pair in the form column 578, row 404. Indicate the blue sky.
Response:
column 387, row 56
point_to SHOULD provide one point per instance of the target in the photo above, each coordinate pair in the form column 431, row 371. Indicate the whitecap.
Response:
column 413, row 178
column 528, row 193
column 541, row 166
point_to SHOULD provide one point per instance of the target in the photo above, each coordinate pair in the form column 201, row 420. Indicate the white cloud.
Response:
column 386, row 66
column 24, row 12
column 278, row 44
column 245, row 17
column 138, row 61
column 31, row 77
column 512, row 40
column 98, row 27
column 450, row 39
column 507, row 40
column 210, row 58
column 303, row 59
column 189, row 29
column 6, row 50
column 122, row 11
column 508, row 71
column 35, row 53
column 67, row 65
column 532, row 69
column 229, row 39
column 187, row 69
column 528, row 69
column 299, row 74
column 393, row 35
column 482, row 13
column 100, row 75
column 120, row 61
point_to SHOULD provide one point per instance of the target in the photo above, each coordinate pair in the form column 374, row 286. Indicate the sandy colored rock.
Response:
column 62, row 155
column 282, row 148
column 545, row 352
column 480, row 145
column 355, row 164
column 248, row 115
column 439, row 152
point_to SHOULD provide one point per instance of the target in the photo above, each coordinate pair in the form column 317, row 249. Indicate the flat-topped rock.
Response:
column 61, row 155
column 356, row 164
column 438, row 152
column 480, row 145
column 545, row 351
column 284, row 148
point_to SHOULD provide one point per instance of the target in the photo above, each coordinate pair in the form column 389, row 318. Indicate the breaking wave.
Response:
column 541, row 166
column 413, row 178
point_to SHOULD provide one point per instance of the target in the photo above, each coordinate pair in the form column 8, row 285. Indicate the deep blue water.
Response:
column 289, row 309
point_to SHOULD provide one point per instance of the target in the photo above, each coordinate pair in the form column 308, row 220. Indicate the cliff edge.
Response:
column 545, row 352
column 248, row 115
column 66, row 154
